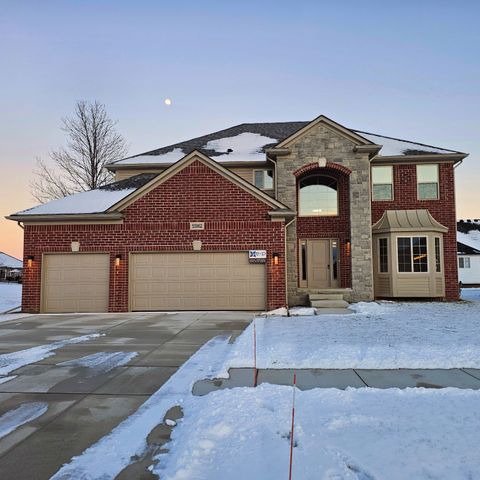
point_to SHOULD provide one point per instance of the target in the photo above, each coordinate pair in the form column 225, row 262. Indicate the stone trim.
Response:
column 315, row 166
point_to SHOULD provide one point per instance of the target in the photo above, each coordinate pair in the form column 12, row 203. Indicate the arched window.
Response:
column 318, row 196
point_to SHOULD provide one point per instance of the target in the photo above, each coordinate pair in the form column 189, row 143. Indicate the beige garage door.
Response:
column 75, row 282
column 196, row 281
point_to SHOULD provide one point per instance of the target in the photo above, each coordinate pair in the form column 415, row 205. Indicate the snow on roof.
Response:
column 246, row 146
column 470, row 239
column 9, row 261
column 395, row 146
column 93, row 201
column 248, row 142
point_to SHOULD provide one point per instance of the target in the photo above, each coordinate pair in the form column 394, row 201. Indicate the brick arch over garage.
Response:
column 315, row 166
column 333, row 227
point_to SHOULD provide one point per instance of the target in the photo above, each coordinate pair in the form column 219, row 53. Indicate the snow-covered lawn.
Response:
column 358, row 434
column 10, row 296
column 378, row 335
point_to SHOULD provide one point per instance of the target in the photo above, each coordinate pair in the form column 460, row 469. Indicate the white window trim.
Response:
column 463, row 257
column 388, row 256
column 318, row 214
column 440, row 242
column 421, row 183
column 264, row 170
column 392, row 184
column 411, row 255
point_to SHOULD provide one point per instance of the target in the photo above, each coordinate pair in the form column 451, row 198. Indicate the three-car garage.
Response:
column 157, row 281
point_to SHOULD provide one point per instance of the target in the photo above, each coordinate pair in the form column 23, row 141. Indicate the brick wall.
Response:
column 443, row 210
column 160, row 221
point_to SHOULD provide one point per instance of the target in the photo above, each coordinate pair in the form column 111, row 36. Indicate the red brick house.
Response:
column 253, row 217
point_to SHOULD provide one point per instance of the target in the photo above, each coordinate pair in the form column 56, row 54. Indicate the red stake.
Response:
column 254, row 353
column 293, row 426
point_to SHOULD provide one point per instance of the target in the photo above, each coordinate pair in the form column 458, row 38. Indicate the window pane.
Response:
column 438, row 263
column 304, row 261
column 427, row 191
column 427, row 173
column 420, row 258
column 467, row 262
column 404, row 251
column 268, row 179
column 382, row 192
column 460, row 263
column 259, row 178
column 335, row 259
column 381, row 175
column 383, row 253
column 318, row 196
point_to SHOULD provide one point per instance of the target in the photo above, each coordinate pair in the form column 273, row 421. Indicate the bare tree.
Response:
column 92, row 142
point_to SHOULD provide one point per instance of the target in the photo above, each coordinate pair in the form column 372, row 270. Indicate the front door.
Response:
column 318, row 263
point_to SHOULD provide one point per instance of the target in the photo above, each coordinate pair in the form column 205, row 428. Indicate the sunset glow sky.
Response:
column 406, row 69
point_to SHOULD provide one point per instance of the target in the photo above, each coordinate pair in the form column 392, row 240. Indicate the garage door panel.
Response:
column 196, row 281
column 75, row 283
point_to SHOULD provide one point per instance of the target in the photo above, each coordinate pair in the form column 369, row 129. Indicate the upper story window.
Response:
column 464, row 262
column 318, row 196
column 382, row 183
column 427, row 182
column 263, row 179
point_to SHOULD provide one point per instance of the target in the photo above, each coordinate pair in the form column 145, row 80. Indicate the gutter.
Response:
column 286, row 267
column 79, row 217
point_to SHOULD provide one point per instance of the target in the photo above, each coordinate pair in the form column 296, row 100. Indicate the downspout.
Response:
column 286, row 272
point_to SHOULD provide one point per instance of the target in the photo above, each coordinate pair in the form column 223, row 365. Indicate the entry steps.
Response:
column 331, row 298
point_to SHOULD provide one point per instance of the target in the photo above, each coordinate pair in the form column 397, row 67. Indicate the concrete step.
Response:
column 325, row 296
column 329, row 304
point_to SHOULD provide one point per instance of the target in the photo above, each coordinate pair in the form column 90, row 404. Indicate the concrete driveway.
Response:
column 85, row 403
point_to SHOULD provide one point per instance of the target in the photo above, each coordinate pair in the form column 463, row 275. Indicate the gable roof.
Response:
column 463, row 249
column 106, row 203
column 248, row 142
column 184, row 162
column 9, row 262
column 468, row 233
column 91, row 202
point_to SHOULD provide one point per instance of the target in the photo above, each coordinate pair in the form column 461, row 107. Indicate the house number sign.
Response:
column 197, row 225
column 257, row 256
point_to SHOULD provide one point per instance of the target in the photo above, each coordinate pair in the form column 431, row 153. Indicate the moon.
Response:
column 167, row 101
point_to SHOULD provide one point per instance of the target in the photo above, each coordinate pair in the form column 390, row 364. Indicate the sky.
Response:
column 406, row 69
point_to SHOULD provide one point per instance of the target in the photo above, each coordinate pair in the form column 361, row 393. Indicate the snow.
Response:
column 112, row 453
column 12, row 361
column 301, row 311
column 93, row 201
column 246, row 147
column 10, row 296
column 394, row 147
column 357, row 434
column 101, row 362
column 170, row 157
column 7, row 379
column 378, row 336
column 9, row 261
column 471, row 239
column 25, row 413
column 471, row 294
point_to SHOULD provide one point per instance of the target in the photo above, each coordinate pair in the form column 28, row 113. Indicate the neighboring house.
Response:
column 10, row 268
column 468, row 251
column 255, row 217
